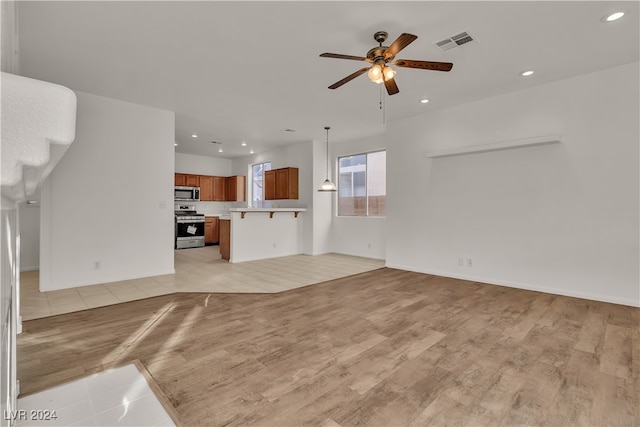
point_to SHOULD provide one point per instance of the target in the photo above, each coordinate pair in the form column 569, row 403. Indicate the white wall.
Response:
column 110, row 199
column 559, row 218
column 29, row 220
column 279, row 236
column 202, row 165
column 359, row 236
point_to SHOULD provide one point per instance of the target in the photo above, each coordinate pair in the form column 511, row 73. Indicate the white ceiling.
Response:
column 245, row 71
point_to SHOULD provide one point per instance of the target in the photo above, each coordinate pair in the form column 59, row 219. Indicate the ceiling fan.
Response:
column 381, row 58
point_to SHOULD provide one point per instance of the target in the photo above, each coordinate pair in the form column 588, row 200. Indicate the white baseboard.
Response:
column 517, row 285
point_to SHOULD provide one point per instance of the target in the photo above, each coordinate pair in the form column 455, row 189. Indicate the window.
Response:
column 257, row 183
column 362, row 188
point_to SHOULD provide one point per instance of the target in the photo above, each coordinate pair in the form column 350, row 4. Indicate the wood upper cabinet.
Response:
column 180, row 179
column 236, row 188
column 186, row 179
column 281, row 184
column 211, row 230
column 193, row 180
column 269, row 185
column 219, row 189
column 206, row 188
column 216, row 188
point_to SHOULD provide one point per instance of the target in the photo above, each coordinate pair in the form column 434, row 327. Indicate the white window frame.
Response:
column 366, row 183
column 250, row 201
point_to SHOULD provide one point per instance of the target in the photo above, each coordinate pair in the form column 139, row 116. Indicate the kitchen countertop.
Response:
column 268, row 210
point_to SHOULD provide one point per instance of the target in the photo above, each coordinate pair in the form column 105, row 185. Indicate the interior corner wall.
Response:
column 559, row 218
column 358, row 236
column 107, row 208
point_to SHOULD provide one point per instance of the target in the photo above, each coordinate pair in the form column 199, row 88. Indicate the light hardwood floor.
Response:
column 384, row 348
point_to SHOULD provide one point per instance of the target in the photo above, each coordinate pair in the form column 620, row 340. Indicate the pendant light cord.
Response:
column 327, row 129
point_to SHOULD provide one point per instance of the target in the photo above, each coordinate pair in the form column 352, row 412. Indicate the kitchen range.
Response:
column 189, row 230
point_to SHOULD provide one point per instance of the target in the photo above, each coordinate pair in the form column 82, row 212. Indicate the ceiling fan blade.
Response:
column 348, row 78
column 392, row 87
column 340, row 56
column 424, row 65
column 400, row 43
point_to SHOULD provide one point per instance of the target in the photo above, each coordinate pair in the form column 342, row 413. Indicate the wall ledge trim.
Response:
column 485, row 148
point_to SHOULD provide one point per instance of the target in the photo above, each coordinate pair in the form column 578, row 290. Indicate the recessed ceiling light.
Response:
column 244, row 144
column 526, row 73
column 250, row 151
column 424, row 101
column 613, row 17
column 219, row 150
column 193, row 135
column 175, row 144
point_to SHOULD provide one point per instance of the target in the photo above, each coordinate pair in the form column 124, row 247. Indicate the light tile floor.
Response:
column 197, row 270
column 119, row 396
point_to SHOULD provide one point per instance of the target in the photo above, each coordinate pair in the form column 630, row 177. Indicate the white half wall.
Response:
column 257, row 236
column 358, row 236
column 559, row 218
column 107, row 208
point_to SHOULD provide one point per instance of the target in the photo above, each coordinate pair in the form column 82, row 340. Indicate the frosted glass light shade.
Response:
column 327, row 186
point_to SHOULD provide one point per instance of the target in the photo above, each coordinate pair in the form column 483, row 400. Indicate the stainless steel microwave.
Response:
column 186, row 194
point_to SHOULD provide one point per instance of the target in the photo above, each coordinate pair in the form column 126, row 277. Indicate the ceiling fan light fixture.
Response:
column 375, row 74
column 389, row 73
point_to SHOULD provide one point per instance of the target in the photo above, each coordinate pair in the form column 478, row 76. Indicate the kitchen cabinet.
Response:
column 225, row 239
column 182, row 179
column 281, row 184
column 216, row 188
column 236, row 188
column 219, row 189
column 206, row 188
column 211, row 230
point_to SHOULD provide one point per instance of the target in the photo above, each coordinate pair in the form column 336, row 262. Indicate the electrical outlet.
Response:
column 97, row 265
column 469, row 262
column 369, row 245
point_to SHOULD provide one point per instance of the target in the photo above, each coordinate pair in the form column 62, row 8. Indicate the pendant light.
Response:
column 327, row 185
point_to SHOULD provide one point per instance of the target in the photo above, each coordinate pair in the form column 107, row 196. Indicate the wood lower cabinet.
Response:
column 211, row 230
column 281, row 184
column 225, row 239
column 206, row 188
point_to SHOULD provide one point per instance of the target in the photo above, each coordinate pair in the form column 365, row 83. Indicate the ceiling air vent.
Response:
column 454, row 41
